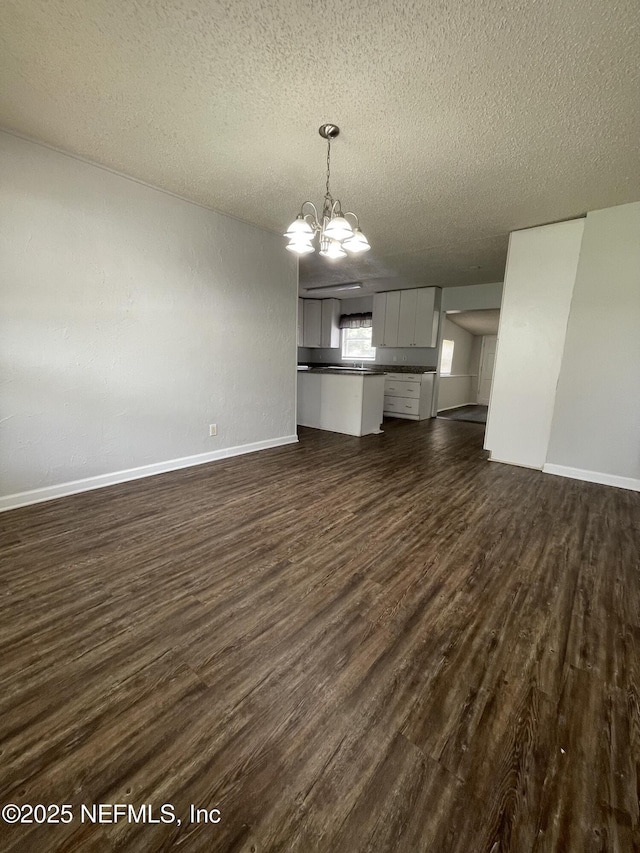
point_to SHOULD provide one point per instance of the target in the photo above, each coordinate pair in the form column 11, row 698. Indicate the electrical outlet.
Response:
column 395, row 358
column 213, row 429
column 404, row 358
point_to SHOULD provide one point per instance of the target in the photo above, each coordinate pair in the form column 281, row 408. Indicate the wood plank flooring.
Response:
column 472, row 414
column 346, row 645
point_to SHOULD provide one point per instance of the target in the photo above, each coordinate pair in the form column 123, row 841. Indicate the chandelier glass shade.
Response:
column 337, row 236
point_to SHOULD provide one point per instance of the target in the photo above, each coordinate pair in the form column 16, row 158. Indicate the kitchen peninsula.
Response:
column 341, row 399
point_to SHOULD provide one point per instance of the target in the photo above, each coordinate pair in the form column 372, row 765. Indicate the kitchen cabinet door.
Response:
column 379, row 314
column 408, row 395
column 330, row 323
column 407, row 318
column 427, row 315
column 391, row 318
column 312, row 323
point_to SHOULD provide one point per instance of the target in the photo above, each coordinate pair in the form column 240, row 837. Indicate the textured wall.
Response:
column 596, row 419
column 472, row 297
column 463, row 345
column 132, row 320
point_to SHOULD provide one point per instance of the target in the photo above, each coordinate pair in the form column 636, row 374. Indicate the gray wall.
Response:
column 132, row 320
column 427, row 356
column 596, row 418
column 462, row 349
column 472, row 297
column 356, row 305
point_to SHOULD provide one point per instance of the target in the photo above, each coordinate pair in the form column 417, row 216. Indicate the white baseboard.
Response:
column 49, row 493
column 493, row 458
column 592, row 477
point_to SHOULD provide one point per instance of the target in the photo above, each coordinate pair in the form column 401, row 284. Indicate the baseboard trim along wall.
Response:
column 492, row 458
column 592, row 477
column 49, row 493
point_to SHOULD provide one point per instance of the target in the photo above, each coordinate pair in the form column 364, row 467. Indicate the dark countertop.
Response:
column 322, row 367
column 340, row 371
column 405, row 368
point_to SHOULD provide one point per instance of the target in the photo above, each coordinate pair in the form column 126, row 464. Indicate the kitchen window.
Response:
column 356, row 345
column 355, row 337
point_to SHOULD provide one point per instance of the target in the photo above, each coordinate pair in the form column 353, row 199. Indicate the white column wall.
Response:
column 539, row 280
column 595, row 434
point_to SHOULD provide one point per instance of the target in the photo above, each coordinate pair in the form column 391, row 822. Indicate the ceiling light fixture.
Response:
column 335, row 231
column 352, row 285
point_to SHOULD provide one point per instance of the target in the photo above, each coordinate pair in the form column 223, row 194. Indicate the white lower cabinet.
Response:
column 408, row 395
column 402, row 388
column 341, row 402
column 401, row 406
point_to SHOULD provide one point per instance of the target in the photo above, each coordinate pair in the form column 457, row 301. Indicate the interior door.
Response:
column 487, row 360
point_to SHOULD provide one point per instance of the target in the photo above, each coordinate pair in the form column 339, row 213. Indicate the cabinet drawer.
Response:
column 392, row 388
column 404, row 377
column 402, row 405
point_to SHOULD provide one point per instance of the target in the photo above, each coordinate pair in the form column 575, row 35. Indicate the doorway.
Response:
column 467, row 357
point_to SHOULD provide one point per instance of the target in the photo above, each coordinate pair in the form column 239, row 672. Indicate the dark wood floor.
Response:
column 474, row 414
column 346, row 645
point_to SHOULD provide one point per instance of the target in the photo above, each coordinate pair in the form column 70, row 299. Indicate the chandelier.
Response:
column 335, row 233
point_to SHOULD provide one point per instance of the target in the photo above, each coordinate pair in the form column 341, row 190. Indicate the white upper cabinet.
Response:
column 320, row 323
column 330, row 332
column 427, row 316
column 312, row 324
column 379, row 315
column 386, row 313
column 391, row 319
column 406, row 318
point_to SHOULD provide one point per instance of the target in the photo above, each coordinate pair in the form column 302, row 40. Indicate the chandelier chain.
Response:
column 328, row 165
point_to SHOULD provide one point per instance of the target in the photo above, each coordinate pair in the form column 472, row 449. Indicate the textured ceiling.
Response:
column 482, row 322
column 460, row 121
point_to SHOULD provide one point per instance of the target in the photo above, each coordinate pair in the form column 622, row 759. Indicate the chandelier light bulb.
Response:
column 299, row 227
column 334, row 250
column 358, row 243
column 334, row 231
column 300, row 246
column 338, row 229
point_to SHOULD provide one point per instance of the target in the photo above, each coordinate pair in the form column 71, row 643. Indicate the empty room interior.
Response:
column 319, row 426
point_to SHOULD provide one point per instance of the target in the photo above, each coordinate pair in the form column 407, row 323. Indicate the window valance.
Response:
column 356, row 321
